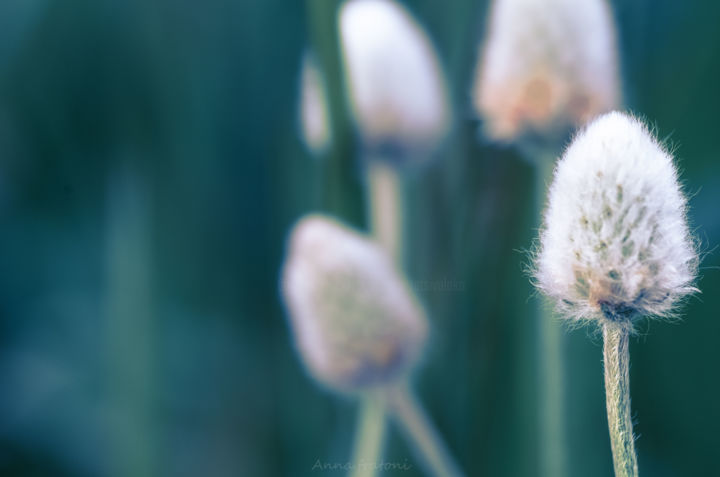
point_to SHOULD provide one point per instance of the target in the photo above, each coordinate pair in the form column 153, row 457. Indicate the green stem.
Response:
column 550, row 359
column 385, row 204
column 616, row 357
column 130, row 322
column 552, row 397
column 427, row 444
column 342, row 188
column 369, row 436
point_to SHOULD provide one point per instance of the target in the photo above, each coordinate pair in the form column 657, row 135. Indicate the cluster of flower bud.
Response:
column 546, row 67
column 396, row 87
column 615, row 243
column 356, row 322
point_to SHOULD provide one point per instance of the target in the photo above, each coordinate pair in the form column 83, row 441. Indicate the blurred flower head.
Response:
column 396, row 86
column 615, row 244
column 355, row 320
column 546, row 66
column 314, row 116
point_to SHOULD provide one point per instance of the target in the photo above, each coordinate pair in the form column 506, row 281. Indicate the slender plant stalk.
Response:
column 130, row 323
column 369, row 437
column 426, row 442
column 616, row 356
column 342, row 193
column 550, row 360
column 384, row 212
column 552, row 397
column 386, row 206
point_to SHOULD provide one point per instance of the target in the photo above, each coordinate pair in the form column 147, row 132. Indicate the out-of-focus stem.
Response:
column 550, row 358
column 369, row 437
column 616, row 358
column 130, row 324
column 385, row 203
column 342, row 188
column 426, row 442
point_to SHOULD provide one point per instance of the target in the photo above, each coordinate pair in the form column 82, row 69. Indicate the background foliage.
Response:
column 149, row 170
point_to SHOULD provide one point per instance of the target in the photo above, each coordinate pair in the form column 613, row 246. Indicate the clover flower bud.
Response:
column 396, row 87
column 547, row 66
column 356, row 322
column 615, row 244
column 314, row 123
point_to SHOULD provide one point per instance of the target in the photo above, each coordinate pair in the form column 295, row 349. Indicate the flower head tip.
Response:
column 615, row 244
column 546, row 66
column 396, row 86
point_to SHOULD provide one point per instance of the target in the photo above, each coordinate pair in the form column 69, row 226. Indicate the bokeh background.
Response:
column 150, row 167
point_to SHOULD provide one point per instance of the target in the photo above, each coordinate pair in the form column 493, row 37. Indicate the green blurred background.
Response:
column 150, row 167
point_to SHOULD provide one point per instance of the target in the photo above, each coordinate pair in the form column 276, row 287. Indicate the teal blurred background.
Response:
column 150, row 167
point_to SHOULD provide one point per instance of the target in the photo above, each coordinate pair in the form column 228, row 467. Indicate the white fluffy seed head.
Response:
column 314, row 122
column 396, row 87
column 547, row 66
column 355, row 320
column 615, row 244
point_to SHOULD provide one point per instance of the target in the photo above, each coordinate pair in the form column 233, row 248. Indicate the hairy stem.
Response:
column 369, row 437
column 427, row 444
column 616, row 356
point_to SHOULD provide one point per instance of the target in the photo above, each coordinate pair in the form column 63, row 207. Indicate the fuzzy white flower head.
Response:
column 615, row 244
column 547, row 65
column 355, row 320
column 314, row 114
column 396, row 86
